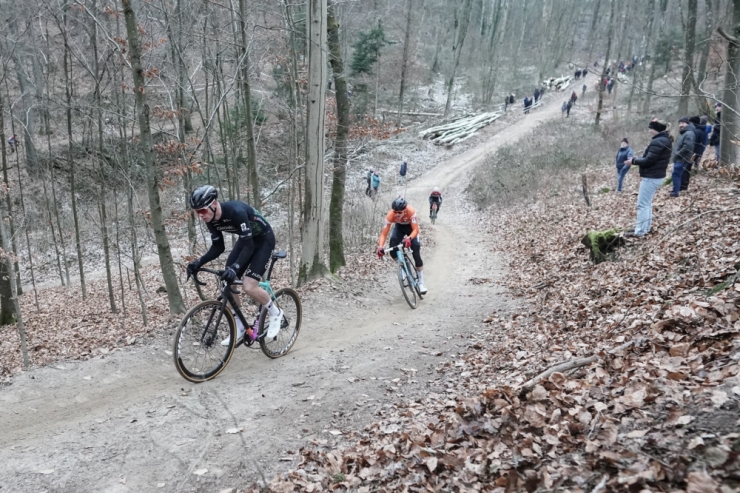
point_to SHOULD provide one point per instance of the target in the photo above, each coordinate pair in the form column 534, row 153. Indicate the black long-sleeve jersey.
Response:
column 240, row 219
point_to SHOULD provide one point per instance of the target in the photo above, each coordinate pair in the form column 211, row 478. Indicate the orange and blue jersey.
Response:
column 406, row 218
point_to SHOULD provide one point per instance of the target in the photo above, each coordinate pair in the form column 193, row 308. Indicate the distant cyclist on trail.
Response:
column 250, row 254
column 406, row 230
column 435, row 198
column 402, row 173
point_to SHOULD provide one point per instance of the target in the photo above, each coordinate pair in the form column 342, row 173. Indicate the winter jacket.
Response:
column 376, row 181
column 684, row 149
column 654, row 163
column 623, row 155
column 714, row 139
column 700, row 144
column 402, row 171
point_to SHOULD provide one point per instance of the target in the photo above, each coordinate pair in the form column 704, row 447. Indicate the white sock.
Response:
column 421, row 277
column 272, row 309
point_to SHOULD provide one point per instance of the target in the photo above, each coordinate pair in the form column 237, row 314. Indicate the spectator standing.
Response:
column 375, row 183
column 536, row 95
column 564, row 107
column 583, row 93
column 568, row 107
column 573, row 98
column 653, row 166
column 684, row 152
column 700, row 144
column 506, row 103
column 369, row 178
column 714, row 140
column 624, row 153
column 12, row 143
column 610, row 85
column 402, row 173
column 583, row 73
column 527, row 104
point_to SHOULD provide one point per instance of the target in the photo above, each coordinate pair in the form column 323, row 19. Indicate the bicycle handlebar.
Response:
column 210, row 271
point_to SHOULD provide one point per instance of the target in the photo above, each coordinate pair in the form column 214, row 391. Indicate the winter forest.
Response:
column 571, row 337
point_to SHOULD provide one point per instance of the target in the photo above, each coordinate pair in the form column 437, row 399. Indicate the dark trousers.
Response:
column 686, row 177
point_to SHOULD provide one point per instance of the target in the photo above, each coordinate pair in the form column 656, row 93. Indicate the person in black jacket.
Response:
column 714, row 138
column 653, row 165
column 684, row 154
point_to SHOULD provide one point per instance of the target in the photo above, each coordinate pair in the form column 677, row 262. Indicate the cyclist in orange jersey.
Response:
column 406, row 230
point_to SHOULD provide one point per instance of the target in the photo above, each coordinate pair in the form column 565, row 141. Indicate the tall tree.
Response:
column 152, row 173
column 462, row 20
column 247, row 95
column 336, row 237
column 730, row 120
column 687, row 77
column 654, row 61
column 404, row 59
column 312, row 263
column 606, row 63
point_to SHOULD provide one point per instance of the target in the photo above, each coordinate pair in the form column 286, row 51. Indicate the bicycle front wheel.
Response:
column 289, row 302
column 415, row 275
column 407, row 287
column 197, row 350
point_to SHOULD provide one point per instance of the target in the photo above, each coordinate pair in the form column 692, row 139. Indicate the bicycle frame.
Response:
column 400, row 251
column 227, row 295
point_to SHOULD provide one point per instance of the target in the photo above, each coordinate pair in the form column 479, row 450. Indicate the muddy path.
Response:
column 129, row 423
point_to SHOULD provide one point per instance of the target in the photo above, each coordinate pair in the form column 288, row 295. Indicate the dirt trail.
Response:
column 130, row 423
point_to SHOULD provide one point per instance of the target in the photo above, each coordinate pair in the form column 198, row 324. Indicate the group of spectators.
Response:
column 694, row 135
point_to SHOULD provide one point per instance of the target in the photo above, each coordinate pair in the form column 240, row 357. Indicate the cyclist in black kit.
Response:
column 250, row 254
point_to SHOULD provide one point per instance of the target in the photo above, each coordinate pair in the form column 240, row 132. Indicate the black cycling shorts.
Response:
column 257, row 264
column 401, row 230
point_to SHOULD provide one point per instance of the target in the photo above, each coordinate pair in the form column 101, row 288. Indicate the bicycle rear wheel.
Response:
column 289, row 302
column 407, row 287
column 433, row 216
column 197, row 350
column 415, row 274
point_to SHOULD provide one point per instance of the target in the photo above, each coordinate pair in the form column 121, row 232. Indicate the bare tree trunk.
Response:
column 651, row 78
column 7, row 306
column 70, row 158
column 730, row 121
column 404, row 62
column 102, row 170
column 462, row 19
column 163, row 245
column 14, row 293
column 251, row 148
column 688, row 63
column 594, row 21
column 312, row 265
column 606, row 65
column 336, row 238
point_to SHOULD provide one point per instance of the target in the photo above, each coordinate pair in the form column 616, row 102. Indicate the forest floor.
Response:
column 126, row 421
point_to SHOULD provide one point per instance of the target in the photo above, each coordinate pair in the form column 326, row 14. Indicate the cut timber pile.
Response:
column 459, row 130
column 560, row 83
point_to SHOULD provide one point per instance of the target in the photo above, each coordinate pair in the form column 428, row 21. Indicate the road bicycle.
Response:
column 197, row 350
column 408, row 277
column 433, row 213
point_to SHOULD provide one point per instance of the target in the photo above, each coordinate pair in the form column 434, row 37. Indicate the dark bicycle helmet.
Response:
column 203, row 196
column 399, row 204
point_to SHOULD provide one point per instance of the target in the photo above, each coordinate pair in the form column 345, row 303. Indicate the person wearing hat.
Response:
column 684, row 152
column 624, row 153
column 714, row 140
column 653, row 165
column 700, row 144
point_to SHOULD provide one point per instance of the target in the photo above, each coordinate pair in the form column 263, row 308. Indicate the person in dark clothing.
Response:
column 583, row 93
column 653, row 165
column 577, row 74
column 684, row 152
column 568, row 107
column 623, row 154
column 610, row 85
column 536, row 95
column 506, row 103
column 527, row 104
column 249, row 256
column 583, row 73
column 573, row 98
column 714, row 139
column 700, row 144
column 402, row 173
column 564, row 107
